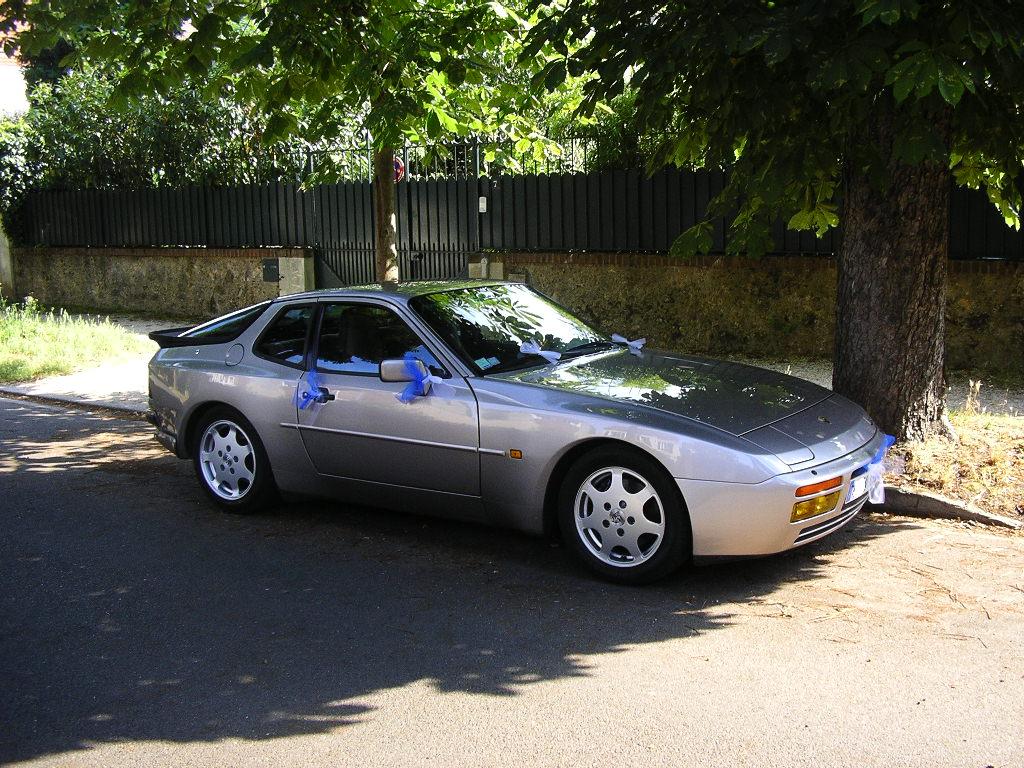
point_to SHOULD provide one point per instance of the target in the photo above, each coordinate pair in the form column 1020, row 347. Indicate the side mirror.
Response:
column 398, row 370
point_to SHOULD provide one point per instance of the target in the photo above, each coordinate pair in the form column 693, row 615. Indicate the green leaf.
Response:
column 433, row 125
column 279, row 125
column 555, row 76
column 903, row 87
column 696, row 239
column 951, row 90
column 801, row 220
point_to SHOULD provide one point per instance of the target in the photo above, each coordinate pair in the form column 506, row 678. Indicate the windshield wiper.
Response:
column 530, row 361
column 584, row 348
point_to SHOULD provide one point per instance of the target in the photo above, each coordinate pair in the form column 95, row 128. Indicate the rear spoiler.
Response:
column 171, row 337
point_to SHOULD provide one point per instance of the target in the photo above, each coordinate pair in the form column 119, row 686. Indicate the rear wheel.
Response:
column 231, row 463
column 623, row 517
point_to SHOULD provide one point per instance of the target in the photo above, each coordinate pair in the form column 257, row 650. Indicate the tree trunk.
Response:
column 384, row 214
column 891, row 310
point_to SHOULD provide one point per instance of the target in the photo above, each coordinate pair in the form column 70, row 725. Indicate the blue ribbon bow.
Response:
column 422, row 381
column 876, row 471
column 887, row 443
column 306, row 395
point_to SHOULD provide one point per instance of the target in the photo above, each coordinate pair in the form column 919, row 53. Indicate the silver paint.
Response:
column 738, row 440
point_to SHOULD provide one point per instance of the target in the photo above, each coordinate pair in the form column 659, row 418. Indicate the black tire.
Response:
column 256, row 494
column 675, row 543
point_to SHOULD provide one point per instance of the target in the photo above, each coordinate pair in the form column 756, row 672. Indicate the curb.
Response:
column 109, row 409
column 924, row 504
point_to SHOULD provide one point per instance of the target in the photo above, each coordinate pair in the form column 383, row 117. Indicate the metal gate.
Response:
column 438, row 227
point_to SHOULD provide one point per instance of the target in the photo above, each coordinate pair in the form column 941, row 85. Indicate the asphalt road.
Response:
column 139, row 626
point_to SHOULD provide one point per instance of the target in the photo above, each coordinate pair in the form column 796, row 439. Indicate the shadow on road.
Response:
column 132, row 610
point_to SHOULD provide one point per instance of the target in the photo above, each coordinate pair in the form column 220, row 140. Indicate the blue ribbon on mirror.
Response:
column 423, row 382
column 635, row 346
column 533, row 348
column 306, row 392
column 876, row 471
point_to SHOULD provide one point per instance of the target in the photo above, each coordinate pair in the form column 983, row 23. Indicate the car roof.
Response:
column 395, row 291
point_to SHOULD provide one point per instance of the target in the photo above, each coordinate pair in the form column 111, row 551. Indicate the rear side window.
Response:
column 227, row 328
column 354, row 338
column 284, row 340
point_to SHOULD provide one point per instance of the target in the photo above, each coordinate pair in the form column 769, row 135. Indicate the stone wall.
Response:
column 169, row 282
column 772, row 307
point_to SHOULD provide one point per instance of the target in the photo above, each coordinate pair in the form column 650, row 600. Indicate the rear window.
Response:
column 227, row 328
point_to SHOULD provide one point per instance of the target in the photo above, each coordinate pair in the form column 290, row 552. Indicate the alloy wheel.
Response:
column 619, row 517
column 227, row 460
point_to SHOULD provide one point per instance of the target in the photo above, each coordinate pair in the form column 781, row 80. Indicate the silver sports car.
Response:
column 487, row 401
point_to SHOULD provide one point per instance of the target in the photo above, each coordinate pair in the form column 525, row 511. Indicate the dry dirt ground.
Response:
column 984, row 466
column 138, row 626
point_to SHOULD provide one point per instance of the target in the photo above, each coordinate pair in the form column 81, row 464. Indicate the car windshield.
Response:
column 486, row 325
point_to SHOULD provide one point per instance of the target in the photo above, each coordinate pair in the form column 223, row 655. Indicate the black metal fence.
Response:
column 446, row 210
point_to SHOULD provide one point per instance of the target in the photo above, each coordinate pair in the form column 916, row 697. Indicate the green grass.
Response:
column 36, row 342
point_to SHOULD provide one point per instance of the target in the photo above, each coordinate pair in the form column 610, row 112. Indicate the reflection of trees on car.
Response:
column 493, row 321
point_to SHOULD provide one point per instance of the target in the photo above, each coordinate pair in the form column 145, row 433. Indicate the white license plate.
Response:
column 858, row 487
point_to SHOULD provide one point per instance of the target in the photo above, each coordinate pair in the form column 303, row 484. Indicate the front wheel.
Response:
column 623, row 517
column 231, row 463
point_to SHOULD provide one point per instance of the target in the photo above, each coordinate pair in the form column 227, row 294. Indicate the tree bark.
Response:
column 891, row 309
column 384, row 214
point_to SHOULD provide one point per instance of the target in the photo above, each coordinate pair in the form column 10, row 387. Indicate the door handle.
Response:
column 321, row 395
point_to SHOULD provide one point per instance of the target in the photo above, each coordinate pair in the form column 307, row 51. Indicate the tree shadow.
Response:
column 133, row 610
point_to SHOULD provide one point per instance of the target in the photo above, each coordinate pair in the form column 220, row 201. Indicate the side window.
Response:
column 354, row 338
column 284, row 340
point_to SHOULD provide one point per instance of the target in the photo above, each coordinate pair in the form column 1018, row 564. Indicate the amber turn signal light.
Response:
column 824, row 485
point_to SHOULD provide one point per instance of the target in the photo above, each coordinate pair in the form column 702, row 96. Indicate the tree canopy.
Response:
column 780, row 93
column 405, row 68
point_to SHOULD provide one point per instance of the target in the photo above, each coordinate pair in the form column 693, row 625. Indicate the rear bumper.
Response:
column 733, row 520
column 164, row 435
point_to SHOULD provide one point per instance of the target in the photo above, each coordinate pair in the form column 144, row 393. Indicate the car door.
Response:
column 363, row 432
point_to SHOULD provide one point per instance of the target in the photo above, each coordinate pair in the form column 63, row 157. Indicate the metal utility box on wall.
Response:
column 271, row 271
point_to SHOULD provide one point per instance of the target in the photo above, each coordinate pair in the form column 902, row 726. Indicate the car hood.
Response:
column 732, row 397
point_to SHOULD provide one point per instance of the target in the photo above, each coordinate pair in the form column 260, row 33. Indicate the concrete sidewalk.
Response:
column 117, row 386
column 122, row 385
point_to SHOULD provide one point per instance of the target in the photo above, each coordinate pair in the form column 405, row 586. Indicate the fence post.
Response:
column 6, row 267
column 474, row 234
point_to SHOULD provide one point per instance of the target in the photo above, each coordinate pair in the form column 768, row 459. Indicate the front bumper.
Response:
column 732, row 520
